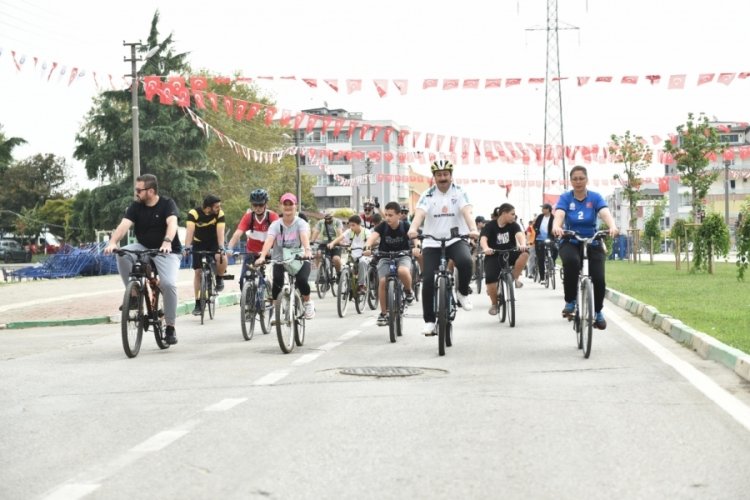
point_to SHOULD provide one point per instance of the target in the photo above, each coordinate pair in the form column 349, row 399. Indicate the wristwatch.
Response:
column 168, row 239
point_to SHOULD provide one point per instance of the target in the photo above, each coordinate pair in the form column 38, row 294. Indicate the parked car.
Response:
column 12, row 251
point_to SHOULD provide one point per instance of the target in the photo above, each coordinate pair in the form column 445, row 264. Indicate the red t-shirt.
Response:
column 256, row 230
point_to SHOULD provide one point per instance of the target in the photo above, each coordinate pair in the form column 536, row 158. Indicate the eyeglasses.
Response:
column 368, row 209
column 138, row 191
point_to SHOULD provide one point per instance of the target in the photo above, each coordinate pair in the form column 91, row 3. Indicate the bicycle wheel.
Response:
column 510, row 300
column 211, row 293
column 203, row 295
column 372, row 288
column 480, row 275
column 416, row 281
column 359, row 299
column 132, row 320
column 247, row 309
column 441, row 311
column 321, row 282
column 264, row 306
column 157, row 319
column 400, row 310
column 284, row 321
column 390, row 304
column 587, row 316
column 577, row 318
column 502, row 310
column 342, row 301
column 332, row 277
column 552, row 272
column 299, row 319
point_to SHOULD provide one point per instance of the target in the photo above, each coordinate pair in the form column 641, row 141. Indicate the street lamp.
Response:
column 726, row 190
column 298, row 180
column 368, row 169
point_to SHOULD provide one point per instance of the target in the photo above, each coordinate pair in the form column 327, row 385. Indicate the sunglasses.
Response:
column 259, row 204
column 138, row 191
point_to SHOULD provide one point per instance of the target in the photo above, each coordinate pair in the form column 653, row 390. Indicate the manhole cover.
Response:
column 381, row 371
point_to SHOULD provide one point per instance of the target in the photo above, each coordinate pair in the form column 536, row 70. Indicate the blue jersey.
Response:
column 580, row 215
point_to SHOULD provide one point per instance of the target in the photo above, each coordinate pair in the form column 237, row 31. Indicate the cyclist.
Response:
column 393, row 234
column 154, row 219
column 442, row 207
column 404, row 213
column 531, row 239
column 503, row 233
column 254, row 224
column 543, row 231
column 577, row 210
column 205, row 232
column 290, row 231
column 475, row 248
column 327, row 230
column 367, row 215
column 357, row 236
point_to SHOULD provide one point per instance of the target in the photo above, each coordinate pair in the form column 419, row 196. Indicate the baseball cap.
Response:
column 288, row 197
column 547, row 206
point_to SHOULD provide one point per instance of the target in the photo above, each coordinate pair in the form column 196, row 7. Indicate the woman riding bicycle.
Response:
column 503, row 233
column 289, row 232
column 577, row 210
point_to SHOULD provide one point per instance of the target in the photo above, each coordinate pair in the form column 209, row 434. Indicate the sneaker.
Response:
column 219, row 284
column 362, row 289
column 465, row 302
column 309, row 309
column 569, row 309
column 428, row 330
column 519, row 284
column 382, row 319
column 493, row 310
column 197, row 310
column 171, row 336
column 600, row 322
column 409, row 298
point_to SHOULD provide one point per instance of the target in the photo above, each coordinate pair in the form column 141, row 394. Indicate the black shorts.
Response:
column 198, row 259
column 493, row 263
column 335, row 251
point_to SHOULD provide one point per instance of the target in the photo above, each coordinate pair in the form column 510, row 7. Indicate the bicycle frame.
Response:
column 394, row 302
column 290, row 314
column 506, row 300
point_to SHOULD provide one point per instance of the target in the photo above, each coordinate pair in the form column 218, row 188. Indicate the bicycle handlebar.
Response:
column 442, row 240
column 572, row 235
column 149, row 251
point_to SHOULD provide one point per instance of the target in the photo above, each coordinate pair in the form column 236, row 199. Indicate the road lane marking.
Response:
column 272, row 378
column 306, row 358
column 329, row 346
column 350, row 334
column 733, row 406
column 225, row 404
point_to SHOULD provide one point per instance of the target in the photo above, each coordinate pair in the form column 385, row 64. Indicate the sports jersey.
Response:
column 205, row 235
column 443, row 212
column 393, row 240
column 501, row 238
column 367, row 220
column 287, row 236
column 256, row 230
column 357, row 241
column 580, row 215
column 327, row 232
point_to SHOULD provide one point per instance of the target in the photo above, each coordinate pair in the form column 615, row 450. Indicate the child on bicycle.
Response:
column 357, row 236
column 503, row 233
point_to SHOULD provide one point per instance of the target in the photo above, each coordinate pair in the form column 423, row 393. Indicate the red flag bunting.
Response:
column 450, row 84
column 676, row 82
column 493, row 83
column 429, row 83
column 401, row 85
column 353, row 86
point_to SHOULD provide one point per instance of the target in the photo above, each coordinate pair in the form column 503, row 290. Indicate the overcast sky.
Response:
column 396, row 39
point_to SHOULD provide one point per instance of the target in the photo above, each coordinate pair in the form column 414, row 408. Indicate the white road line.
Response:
column 306, row 358
column 71, row 491
column 271, row 378
column 159, row 441
column 329, row 346
column 350, row 334
column 225, row 404
column 733, row 406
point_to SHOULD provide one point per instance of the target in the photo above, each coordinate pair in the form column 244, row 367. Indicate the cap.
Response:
column 288, row 197
column 547, row 206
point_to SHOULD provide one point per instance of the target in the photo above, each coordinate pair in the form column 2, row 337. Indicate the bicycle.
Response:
column 372, row 285
column 289, row 311
column 444, row 300
column 349, row 288
column 142, row 288
column 479, row 270
column 549, row 265
column 506, row 285
column 416, row 278
column 583, row 315
column 255, row 301
column 394, row 293
column 326, row 278
column 208, row 293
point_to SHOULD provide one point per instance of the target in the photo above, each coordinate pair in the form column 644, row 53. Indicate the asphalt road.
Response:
column 507, row 413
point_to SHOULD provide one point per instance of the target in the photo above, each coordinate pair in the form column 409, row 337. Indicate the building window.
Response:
column 730, row 138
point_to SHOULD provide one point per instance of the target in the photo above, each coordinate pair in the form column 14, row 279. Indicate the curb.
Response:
column 706, row 346
column 182, row 309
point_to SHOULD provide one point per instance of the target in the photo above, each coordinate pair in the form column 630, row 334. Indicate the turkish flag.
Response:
column 676, row 82
column 363, row 130
column 401, row 85
column 705, row 78
column 655, row 139
column 199, row 102
column 312, row 82
column 743, row 75
column 452, row 144
column 654, row 79
column 311, row 120
column 726, row 78
column 465, row 143
column 166, row 96
column 151, row 86
column 429, row 83
column 353, row 85
column 428, row 140
column 214, row 100
column 745, row 152
column 536, row 81
column 629, row 80
column 387, row 135
column 493, row 83
column 228, row 105
column 239, row 108
column 253, row 110
column 472, row 83
column 182, row 98
column 605, row 79
column 663, row 184
column 286, row 117
column 512, row 81
column 270, row 113
column 440, row 139
column 177, row 83
column 450, row 84
column 582, row 80
column 382, row 87
column 333, row 83
column 729, row 154
column 402, row 137
column 198, row 83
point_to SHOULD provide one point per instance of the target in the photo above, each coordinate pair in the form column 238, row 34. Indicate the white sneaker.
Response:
column 465, row 302
column 428, row 329
column 309, row 309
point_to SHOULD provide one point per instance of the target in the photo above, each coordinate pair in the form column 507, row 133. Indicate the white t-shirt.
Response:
column 357, row 241
column 287, row 236
column 442, row 212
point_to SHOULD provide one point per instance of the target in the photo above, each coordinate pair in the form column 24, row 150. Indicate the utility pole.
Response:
column 298, row 176
column 134, row 106
column 368, row 169
column 726, row 190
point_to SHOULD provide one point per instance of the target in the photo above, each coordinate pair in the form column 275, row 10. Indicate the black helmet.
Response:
column 259, row 196
column 441, row 165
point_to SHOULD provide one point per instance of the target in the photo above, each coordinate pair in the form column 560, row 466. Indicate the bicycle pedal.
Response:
column 229, row 277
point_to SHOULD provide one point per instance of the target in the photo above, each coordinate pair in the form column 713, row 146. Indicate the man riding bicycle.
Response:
column 154, row 219
column 393, row 234
column 205, row 232
column 254, row 224
column 369, row 221
column 442, row 207
column 543, row 230
column 327, row 230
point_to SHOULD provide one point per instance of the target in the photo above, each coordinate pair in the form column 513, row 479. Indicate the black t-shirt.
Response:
column 393, row 240
column 501, row 238
column 205, row 236
column 150, row 223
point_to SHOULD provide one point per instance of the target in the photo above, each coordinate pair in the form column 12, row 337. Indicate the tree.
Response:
column 652, row 230
column 7, row 145
column 711, row 239
column 742, row 237
column 635, row 155
column 697, row 141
